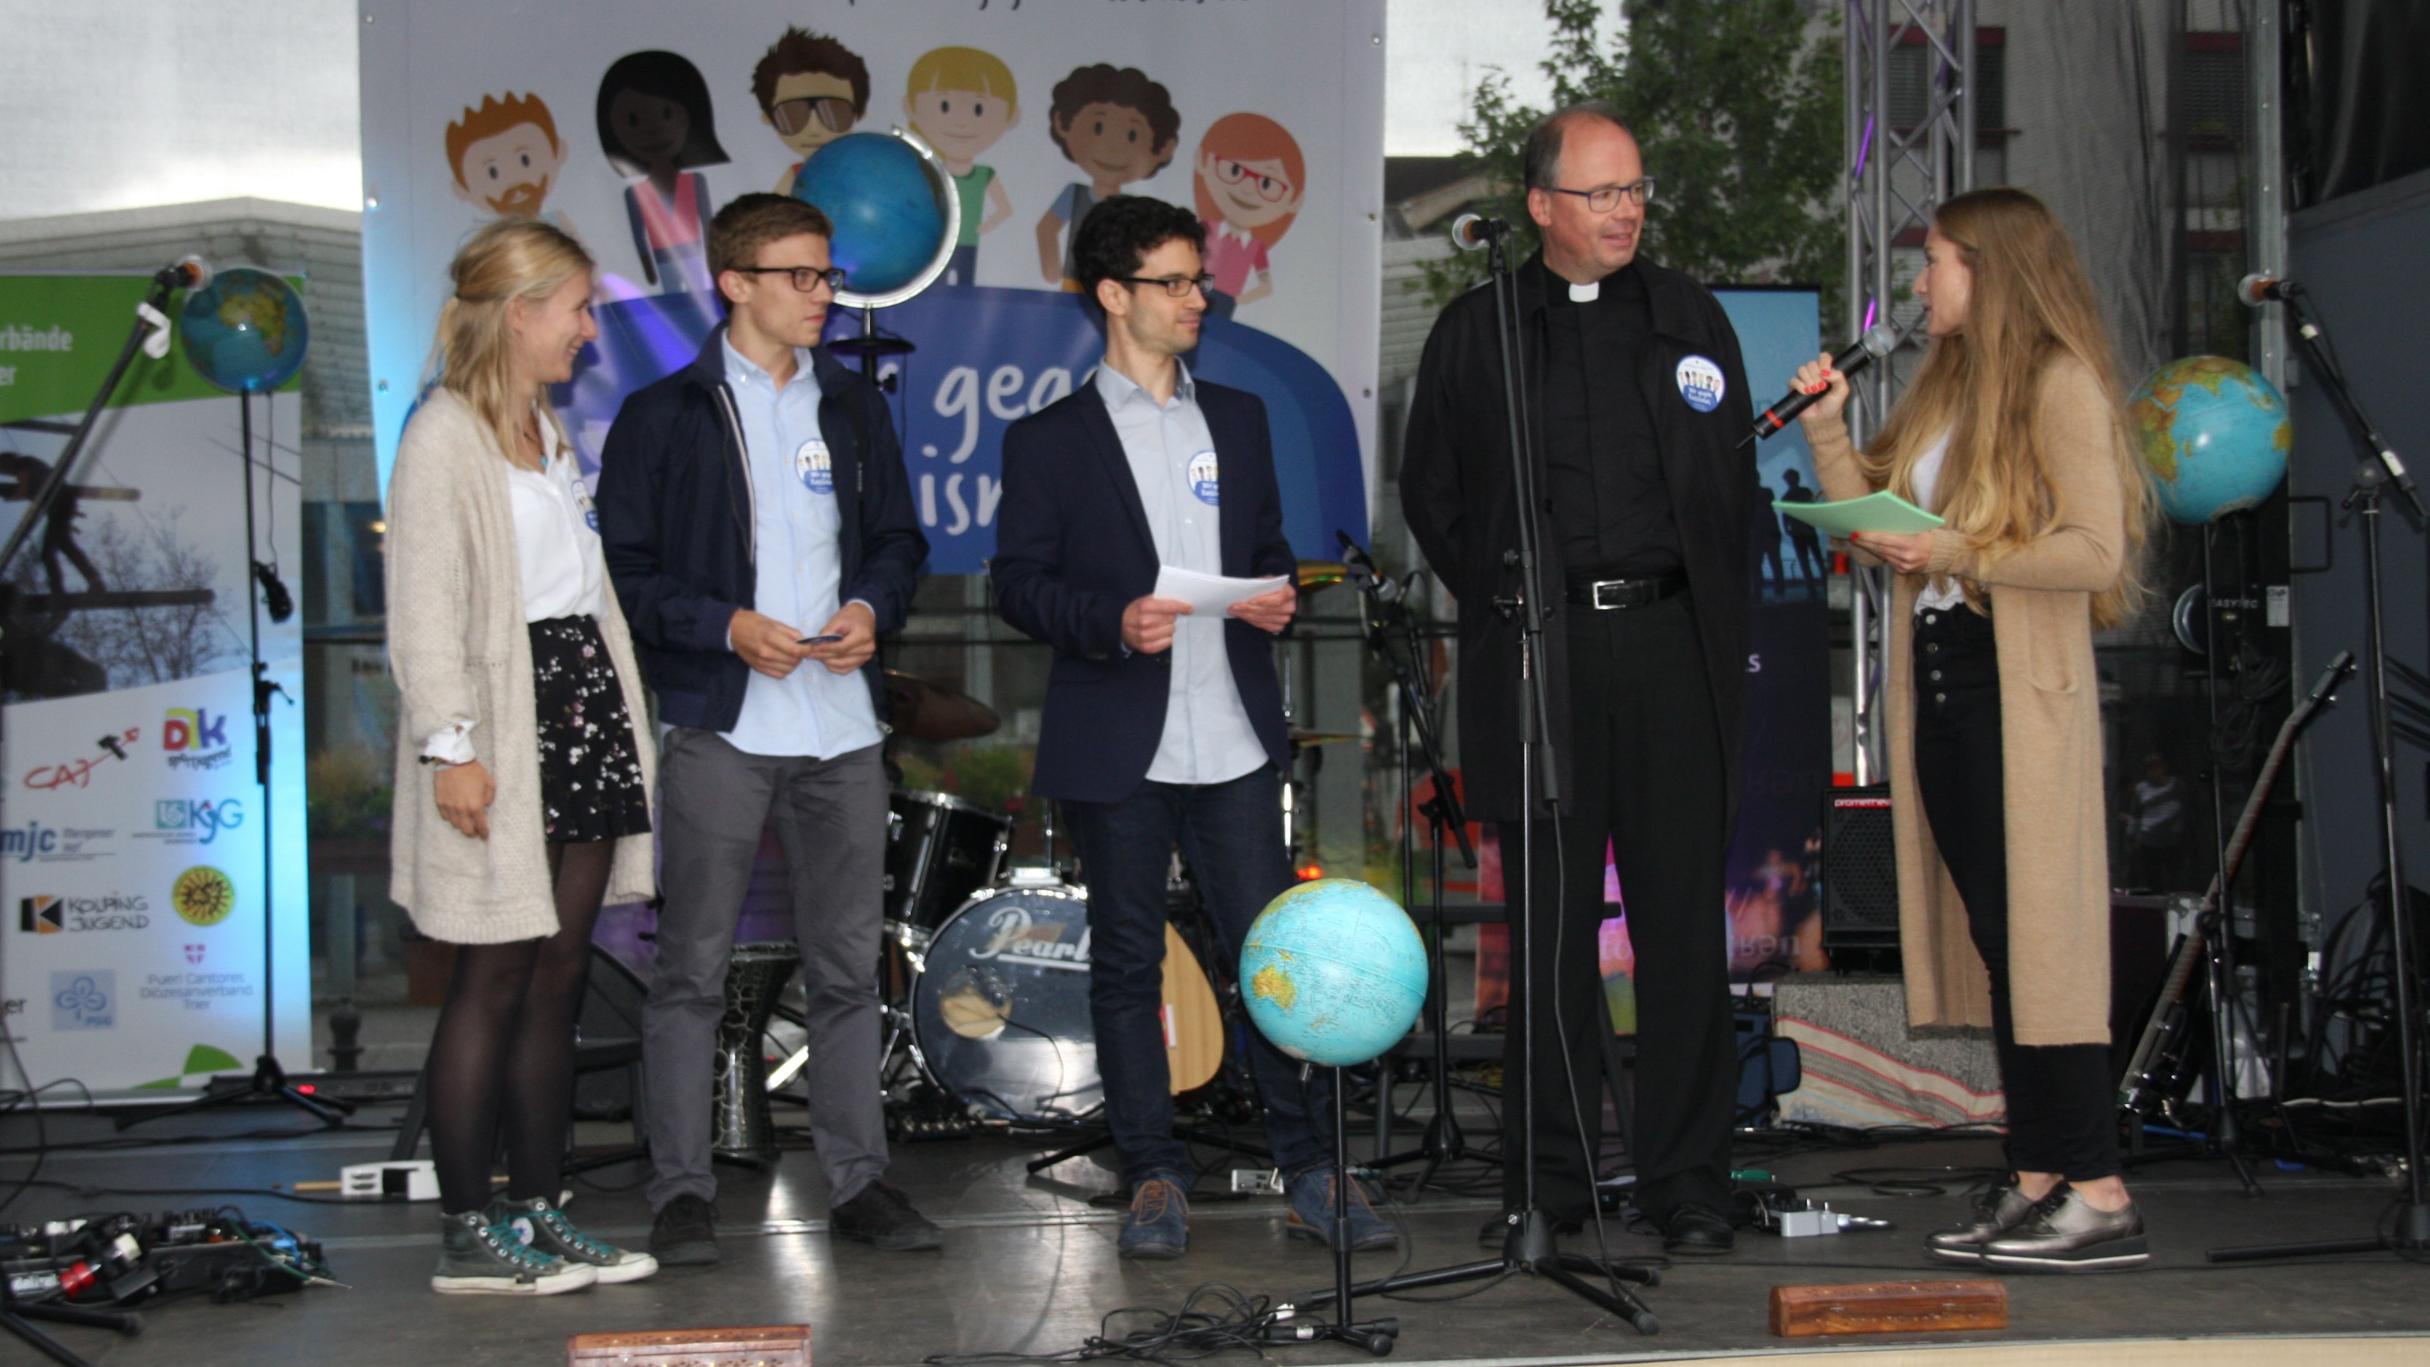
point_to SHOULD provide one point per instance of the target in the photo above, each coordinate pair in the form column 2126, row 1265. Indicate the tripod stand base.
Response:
column 269, row 1083
column 1529, row 1248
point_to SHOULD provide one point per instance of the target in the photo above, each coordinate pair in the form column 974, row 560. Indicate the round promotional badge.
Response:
column 1203, row 481
column 1700, row 383
column 817, row 470
column 582, row 500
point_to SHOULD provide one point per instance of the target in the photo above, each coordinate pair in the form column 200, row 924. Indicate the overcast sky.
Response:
column 126, row 103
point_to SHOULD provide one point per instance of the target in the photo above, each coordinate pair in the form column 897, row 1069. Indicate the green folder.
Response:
column 1882, row 511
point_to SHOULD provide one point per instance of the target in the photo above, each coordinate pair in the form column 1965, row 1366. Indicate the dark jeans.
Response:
column 1645, row 750
column 2061, row 1098
column 1232, row 835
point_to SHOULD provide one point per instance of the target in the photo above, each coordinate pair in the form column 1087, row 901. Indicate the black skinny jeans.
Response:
column 2061, row 1098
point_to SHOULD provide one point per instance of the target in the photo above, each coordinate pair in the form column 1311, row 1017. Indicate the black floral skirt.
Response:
column 590, row 772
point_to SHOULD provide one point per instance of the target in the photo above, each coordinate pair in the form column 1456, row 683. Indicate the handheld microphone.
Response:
column 185, row 273
column 2257, row 289
column 1471, row 232
column 1365, row 575
column 1879, row 342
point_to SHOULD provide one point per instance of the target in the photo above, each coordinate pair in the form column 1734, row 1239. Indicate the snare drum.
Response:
column 939, row 850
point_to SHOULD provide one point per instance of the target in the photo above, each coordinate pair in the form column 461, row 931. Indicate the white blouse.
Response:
column 557, row 556
column 1944, row 591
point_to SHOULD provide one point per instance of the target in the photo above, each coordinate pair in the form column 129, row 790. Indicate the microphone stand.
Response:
column 1528, row 1244
column 2409, row 1232
column 1392, row 634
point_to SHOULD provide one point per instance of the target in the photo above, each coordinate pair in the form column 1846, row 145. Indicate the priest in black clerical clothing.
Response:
column 1639, row 400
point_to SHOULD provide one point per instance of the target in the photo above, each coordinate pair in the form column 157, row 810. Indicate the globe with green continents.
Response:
column 245, row 331
column 1333, row 972
column 2214, row 434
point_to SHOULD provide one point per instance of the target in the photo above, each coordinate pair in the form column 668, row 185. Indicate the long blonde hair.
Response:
column 512, row 258
column 2031, row 305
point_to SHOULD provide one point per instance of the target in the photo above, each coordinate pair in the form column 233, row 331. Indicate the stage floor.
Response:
column 1029, row 1263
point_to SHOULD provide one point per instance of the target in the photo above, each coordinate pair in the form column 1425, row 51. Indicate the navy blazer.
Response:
column 675, row 522
column 1073, row 549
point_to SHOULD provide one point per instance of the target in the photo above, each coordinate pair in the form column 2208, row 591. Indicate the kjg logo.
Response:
column 201, row 817
column 84, row 1000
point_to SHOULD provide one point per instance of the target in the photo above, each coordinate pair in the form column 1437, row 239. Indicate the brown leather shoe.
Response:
column 1996, row 1211
column 2063, row 1233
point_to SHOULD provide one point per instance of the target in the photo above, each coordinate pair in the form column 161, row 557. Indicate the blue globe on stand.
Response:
column 245, row 331
column 886, row 207
column 1333, row 972
column 2215, row 435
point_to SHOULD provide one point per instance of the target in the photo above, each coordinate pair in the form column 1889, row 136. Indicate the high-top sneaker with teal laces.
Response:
column 546, row 1228
column 481, row 1256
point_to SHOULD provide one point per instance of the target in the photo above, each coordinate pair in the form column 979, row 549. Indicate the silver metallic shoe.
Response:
column 1996, row 1211
column 2063, row 1233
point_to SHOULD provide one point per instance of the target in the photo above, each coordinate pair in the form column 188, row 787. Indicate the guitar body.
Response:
column 1193, row 1023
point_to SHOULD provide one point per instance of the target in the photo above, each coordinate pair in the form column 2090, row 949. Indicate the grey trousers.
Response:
column 831, row 822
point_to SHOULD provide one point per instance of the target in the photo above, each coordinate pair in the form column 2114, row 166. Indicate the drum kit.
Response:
column 985, row 987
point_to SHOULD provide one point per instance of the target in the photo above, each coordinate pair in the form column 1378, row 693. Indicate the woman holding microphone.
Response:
column 2014, row 433
column 524, row 774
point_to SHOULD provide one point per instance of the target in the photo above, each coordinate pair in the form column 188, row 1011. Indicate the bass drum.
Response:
column 1000, row 1009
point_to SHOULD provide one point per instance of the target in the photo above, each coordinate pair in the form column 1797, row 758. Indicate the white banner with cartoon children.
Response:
column 629, row 129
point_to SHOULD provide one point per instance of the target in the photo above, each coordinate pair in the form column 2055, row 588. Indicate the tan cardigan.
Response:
column 2050, row 739
column 458, row 648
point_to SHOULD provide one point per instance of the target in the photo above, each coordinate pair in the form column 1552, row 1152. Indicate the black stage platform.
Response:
column 1029, row 1264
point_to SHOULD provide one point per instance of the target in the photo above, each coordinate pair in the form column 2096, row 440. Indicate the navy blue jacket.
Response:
column 1073, row 549
column 676, row 524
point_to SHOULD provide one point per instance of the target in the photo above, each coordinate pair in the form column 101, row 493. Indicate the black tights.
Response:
column 503, row 1053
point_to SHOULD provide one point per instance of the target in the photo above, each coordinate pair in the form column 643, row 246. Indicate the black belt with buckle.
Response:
column 1606, row 595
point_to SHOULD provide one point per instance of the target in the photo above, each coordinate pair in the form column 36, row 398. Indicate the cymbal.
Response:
column 1317, row 574
column 930, row 711
column 1302, row 736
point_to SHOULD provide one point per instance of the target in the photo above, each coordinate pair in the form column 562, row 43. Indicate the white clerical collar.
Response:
column 1586, row 293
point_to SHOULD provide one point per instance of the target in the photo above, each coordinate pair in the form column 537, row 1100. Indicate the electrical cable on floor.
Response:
column 1214, row 1318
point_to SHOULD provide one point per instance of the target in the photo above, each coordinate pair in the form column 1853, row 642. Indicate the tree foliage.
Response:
column 1736, row 106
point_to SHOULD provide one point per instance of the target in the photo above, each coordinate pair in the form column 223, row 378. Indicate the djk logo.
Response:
column 193, row 729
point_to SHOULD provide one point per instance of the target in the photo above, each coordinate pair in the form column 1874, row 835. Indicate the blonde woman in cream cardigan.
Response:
column 524, row 768
column 2014, row 433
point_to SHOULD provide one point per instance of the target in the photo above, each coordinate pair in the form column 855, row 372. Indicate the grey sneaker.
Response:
column 1995, row 1212
column 544, row 1227
column 2063, row 1233
column 478, row 1257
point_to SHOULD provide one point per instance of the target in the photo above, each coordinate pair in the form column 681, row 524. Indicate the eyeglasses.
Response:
column 792, row 116
column 1178, row 286
column 1605, row 198
column 1269, row 189
column 804, row 278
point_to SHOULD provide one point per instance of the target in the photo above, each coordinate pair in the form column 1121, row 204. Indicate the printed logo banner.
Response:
column 131, row 875
column 1263, row 117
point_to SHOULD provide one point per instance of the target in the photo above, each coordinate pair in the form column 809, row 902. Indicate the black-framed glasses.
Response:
column 1605, row 198
column 1178, row 286
column 804, row 278
column 792, row 116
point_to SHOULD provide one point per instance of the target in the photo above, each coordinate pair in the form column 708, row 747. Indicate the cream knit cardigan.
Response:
column 458, row 648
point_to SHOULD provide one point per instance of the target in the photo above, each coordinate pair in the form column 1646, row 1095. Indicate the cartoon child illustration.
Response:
column 811, row 89
column 655, row 126
column 1117, row 126
column 960, row 101
column 1250, row 180
column 505, row 155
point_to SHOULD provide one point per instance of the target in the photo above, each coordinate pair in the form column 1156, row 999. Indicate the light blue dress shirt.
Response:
column 1207, row 736
column 812, row 711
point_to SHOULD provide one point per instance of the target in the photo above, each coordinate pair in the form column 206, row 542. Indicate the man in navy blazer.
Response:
column 1161, row 725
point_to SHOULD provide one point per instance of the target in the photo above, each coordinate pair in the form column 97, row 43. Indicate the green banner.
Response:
column 59, row 335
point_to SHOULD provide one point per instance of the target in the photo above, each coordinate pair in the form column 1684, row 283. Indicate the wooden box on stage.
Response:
column 1888, row 1308
column 767, row 1345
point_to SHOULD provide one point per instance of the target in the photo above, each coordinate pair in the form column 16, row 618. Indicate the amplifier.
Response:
column 1859, row 870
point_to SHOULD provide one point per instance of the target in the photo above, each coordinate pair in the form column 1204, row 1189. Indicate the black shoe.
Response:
column 883, row 1217
column 685, row 1233
column 2063, row 1233
column 1697, row 1229
column 1995, row 1212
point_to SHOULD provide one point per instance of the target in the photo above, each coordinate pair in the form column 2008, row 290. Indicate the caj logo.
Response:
column 47, row 915
column 195, row 821
column 84, row 1000
column 195, row 738
column 203, row 896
